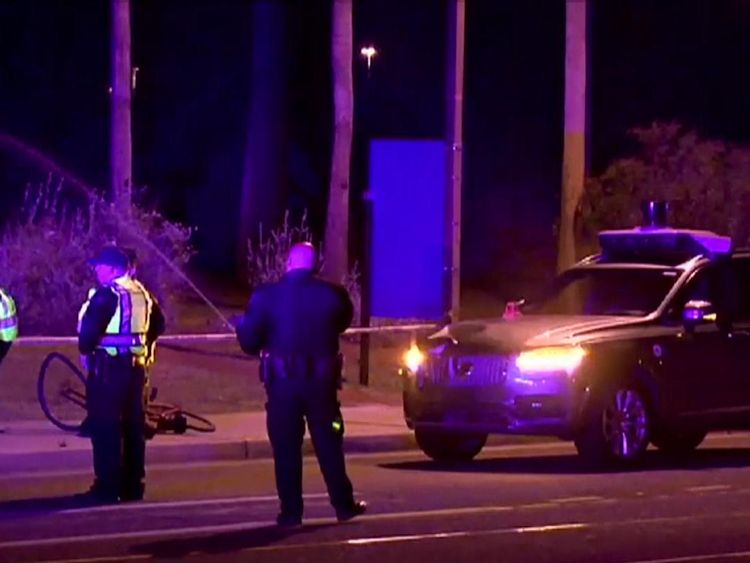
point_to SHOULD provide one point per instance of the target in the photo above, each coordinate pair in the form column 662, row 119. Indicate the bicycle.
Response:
column 62, row 396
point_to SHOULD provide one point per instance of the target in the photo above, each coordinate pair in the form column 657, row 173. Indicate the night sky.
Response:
column 649, row 60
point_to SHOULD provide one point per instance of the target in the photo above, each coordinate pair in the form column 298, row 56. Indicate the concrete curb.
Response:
column 79, row 458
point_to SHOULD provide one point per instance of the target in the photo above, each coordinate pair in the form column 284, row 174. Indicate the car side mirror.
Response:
column 698, row 313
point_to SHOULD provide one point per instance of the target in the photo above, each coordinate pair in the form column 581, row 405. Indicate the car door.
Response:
column 698, row 365
column 737, row 296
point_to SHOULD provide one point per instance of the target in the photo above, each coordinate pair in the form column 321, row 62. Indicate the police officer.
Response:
column 116, row 323
column 8, row 327
column 294, row 324
column 8, row 323
column 84, row 430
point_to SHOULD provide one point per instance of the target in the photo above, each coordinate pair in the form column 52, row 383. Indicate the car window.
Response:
column 717, row 284
column 741, row 305
column 606, row 291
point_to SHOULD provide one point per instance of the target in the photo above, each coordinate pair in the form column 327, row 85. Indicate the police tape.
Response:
column 222, row 336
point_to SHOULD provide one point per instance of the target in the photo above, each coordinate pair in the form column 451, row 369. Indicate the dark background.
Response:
column 649, row 60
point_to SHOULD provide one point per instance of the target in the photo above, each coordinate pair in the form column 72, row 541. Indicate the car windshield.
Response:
column 606, row 291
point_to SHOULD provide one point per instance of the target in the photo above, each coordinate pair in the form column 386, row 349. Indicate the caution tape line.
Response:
column 218, row 336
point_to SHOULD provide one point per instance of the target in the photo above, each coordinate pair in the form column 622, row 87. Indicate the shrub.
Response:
column 44, row 253
column 707, row 183
column 266, row 259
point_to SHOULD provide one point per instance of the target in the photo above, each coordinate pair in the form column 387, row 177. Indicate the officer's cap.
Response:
column 111, row 256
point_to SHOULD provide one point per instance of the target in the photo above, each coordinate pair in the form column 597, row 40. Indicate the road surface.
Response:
column 532, row 503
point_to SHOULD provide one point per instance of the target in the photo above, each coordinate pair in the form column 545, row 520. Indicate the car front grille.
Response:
column 470, row 371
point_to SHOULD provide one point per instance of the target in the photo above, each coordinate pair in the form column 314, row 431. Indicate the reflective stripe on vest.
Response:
column 84, row 307
column 8, row 318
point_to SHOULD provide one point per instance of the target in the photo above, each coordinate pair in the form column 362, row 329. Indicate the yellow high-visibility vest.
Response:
column 126, row 331
column 8, row 318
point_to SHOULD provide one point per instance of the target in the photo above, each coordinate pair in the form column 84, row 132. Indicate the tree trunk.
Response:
column 574, row 150
column 337, row 220
column 121, row 150
column 263, row 188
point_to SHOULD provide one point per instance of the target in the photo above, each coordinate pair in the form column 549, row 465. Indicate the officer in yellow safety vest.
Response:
column 116, row 322
column 8, row 323
column 150, row 358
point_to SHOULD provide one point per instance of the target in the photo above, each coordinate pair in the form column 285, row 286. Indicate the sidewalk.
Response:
column 36, row 446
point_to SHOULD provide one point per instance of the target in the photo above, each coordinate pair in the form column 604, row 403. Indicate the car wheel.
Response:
column 442, row 445
column 678, row 442
column 616, row 428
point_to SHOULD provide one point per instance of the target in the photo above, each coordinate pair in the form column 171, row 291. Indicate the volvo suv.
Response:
column 646, row 342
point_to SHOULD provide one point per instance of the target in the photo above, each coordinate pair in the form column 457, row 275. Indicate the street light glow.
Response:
column 368, row 52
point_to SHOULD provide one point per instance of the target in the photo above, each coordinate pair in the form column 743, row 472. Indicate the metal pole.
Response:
column 454, row 140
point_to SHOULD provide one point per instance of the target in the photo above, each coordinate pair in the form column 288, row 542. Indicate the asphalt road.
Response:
column 516, row 504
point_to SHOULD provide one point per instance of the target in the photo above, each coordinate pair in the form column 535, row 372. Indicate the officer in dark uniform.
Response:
column 115, row 325
column 295, row 324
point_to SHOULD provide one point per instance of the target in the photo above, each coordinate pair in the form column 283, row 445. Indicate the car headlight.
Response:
column 413, row 358
column 551, row 359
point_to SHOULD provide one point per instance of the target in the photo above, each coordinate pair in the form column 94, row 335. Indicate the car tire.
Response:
column 616, row 427
column 442, row 445
column 678, row 442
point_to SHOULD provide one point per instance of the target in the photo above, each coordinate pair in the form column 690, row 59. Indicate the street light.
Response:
column 368, row 52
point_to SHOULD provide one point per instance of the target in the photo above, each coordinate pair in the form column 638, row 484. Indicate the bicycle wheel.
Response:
column 61, row 391
column 155, row 409
column 198, row 423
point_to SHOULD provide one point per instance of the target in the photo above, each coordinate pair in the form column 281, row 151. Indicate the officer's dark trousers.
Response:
column 115, row 404
column 291, row 400
column 4, row 348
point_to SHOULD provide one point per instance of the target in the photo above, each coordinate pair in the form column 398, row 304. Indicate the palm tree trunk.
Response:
column 337, row 220
column 574, row 149
column 121, row 150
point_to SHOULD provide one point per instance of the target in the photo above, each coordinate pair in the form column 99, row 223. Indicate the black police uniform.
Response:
column 4, row 349
column 296, row 324
column 115, row 403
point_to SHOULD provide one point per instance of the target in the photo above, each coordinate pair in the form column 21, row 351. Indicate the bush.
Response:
column 44, row 253
column 707, row 183
column 266, row 259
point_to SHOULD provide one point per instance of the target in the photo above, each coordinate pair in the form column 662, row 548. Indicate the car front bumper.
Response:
column 543, row 405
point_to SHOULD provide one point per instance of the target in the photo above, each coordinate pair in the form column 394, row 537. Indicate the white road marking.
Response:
column 141, row 534
column 536, row 505
column 372, row 540
column 461, row 534
column 551, row 528
column 247, row 526
column 708, row 488
column 577, row 499
column 692, row 558
column 183, row 503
